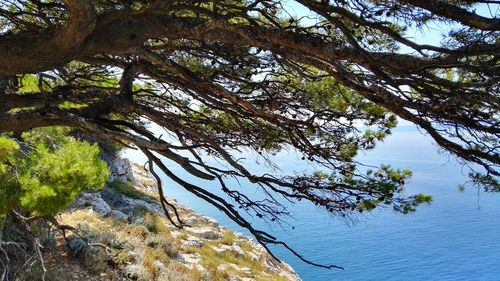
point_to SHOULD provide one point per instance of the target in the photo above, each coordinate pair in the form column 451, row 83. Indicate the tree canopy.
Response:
column 231, row 76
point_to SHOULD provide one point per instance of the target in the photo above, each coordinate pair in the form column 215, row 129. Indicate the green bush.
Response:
column 48, row 177
column 89, row 232
column 76, row 245
column 10, row 188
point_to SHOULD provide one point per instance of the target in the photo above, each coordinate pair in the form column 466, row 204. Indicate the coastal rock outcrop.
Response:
column 142, row 245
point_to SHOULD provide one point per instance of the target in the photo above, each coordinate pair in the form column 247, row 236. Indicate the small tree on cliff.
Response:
column 221, row 77
column 41, row 172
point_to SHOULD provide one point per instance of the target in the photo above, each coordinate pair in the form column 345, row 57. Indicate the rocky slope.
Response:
column 127, row 237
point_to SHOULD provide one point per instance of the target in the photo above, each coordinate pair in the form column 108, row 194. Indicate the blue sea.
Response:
column 456, row 237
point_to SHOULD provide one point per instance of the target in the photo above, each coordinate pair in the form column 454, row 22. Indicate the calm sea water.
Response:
column 457, row 237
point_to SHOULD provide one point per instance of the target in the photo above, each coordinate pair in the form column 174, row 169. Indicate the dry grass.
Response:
column 127, row 188
column 228, row 238
column 139, row 247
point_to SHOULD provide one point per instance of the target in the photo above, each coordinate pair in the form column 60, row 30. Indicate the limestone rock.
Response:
column 143, row 179
column 192, row 241
column 93, row 200
column 192, row 260
column 235, row 249
column 253, row 257
column 240, row 269
column 205, row 232
column 239, row 235
column 151, row 207
column 201, row 220
column 121, row 170
column 119, row 215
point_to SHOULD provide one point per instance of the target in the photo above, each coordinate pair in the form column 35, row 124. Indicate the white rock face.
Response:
column 241, row 269
column 239, row 235
column 235, row 249
column 201, row 220
column 205, row 232
column 121, row 170
column 253, row 257
column 192, row 241
column 191, row 261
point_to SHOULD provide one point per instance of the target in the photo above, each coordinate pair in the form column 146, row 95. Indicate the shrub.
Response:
column 207, row 276
column 51, row 176
column 117, row 240
column 89, row 232
column 154, row 223
column 165, row 243
column 213, row 273
column 137, row 272
column 138, row 231
column 127, row 188
column 96, row 259
column 155, row 260
column 76, row 245
column 51, row 179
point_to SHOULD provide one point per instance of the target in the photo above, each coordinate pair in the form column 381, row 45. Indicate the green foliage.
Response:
column 488, row 182
column 29, row 84
column 8, row 149
column 412, row 202
column 384, row 186
column 49, row 174
column 53, row 179
column 48, row 136
column 9, row 189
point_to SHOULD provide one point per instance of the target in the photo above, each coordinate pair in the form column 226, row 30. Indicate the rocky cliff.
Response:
column 128, row 238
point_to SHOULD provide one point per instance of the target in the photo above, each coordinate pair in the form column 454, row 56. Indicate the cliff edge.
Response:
column 123, row 235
